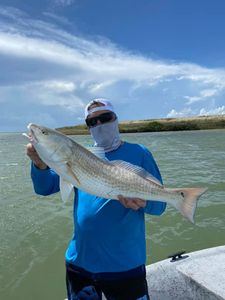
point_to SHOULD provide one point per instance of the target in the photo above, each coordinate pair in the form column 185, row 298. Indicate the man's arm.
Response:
column 45, row 181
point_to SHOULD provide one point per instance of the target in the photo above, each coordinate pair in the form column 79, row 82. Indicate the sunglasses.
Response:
column 103, row 118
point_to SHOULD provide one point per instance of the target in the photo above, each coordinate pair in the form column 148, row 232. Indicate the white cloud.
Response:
column 215, row 111
column 59, row 86
column 53, row 93
column 180, row 114
column 102, row 63
column 203, row 95
column 57, row 18
column 12, row 13
column 192, row 99
column 208, row 93
column 42, row 64
column 202, row 112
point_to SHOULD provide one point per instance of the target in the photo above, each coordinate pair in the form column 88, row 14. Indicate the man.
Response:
column 107, row 252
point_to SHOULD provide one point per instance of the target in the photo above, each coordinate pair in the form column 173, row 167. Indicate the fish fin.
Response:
column 70, row 171
column 137, row 170
column 65, row 189
column 98, row 151
column 190, row 198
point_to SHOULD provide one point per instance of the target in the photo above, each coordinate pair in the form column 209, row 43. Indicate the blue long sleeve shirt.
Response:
column 107, row 236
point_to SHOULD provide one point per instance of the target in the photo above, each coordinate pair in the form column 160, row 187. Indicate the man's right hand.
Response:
column 33, row 155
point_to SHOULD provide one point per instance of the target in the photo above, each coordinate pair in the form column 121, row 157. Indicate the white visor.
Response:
column 107, row 105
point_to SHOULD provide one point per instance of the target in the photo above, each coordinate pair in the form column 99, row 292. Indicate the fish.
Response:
column 91, row 172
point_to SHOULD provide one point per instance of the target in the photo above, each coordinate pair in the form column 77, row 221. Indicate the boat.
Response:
column 198, row 275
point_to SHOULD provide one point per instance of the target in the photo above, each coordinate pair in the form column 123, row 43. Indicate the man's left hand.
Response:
column 134, row 203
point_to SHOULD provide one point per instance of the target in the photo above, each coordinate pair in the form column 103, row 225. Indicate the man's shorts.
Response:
column 83, row 285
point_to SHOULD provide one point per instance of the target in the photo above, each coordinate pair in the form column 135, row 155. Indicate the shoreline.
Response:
column 157, row 125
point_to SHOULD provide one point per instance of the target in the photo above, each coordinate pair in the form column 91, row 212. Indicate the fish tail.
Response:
column 190, row 198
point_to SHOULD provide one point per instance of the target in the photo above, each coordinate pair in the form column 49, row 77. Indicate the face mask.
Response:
column 106, row 135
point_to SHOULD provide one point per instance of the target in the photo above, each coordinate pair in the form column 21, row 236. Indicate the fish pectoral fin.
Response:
column 65, row 189
column 71, row 173
column 137, row 170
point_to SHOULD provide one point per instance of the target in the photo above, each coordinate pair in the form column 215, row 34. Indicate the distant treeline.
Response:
column 169, row 124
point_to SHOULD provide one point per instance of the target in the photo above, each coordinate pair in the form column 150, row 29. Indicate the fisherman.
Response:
column 107, row 253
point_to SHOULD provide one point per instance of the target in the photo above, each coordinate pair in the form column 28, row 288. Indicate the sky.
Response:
column 151, row 58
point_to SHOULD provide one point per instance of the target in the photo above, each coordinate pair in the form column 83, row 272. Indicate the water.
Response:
column 34, row 230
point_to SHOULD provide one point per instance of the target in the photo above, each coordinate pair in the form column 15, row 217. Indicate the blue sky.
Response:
column 152, row 59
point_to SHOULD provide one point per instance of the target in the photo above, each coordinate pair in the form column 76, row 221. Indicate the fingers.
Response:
column 33, row 155
column 133, row 203
column 30, row 150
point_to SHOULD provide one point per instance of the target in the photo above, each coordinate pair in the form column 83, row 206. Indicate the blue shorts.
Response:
column 83, row 285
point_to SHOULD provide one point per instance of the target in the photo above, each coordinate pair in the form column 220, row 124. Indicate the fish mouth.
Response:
column 31, row 134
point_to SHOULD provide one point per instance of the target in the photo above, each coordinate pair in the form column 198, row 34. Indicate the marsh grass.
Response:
column 156, row 125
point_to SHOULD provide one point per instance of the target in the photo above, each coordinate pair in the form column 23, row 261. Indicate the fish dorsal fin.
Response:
column 65, row 189
column 98, row 151
column 137, row 170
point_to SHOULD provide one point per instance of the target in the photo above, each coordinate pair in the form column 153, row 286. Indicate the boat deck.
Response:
column 199, row 276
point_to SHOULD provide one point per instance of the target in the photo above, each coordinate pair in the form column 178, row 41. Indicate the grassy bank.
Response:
column 169, row 124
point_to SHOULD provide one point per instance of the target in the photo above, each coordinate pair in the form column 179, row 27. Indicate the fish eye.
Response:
column 43, row 131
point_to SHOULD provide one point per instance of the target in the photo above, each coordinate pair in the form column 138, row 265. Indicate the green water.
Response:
column 34, row 230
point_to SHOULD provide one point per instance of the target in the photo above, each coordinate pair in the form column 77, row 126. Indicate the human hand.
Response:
column 134, row 203
column 33, row 155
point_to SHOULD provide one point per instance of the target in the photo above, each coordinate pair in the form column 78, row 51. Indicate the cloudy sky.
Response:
column 152, row 58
